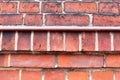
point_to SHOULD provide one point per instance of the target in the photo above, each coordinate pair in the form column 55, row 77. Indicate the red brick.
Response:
column 100, row 20
column 10, row 7
column 72, row 41
column 9, row 75
column 80, row 61
column 78, row 75
column 31, row 75
column 8, row 41
column 3, row 60
column 104, row 42
column 23, row 60
column 55, row 75
column 117, row 75
column 40, row 41
column 56, row 41
column 117, row 1
column 24, row 41
column 88, row 41
column 103, row 75
column 113, row 61
column 10, row 19
column 80, row 7
column 29, row 7
column 33, row 19
column 51, row 7
column 116, row 41
column 67, row 20
column 108, row 8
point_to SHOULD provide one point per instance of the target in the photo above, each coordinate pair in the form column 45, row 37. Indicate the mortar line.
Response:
column 1, row 35
column 96, row 42
column 48, row 41
column 32, row 37
column 80, row 41
column 64, row 41
column 16, row 40
column 20, row 74
column 112, row 41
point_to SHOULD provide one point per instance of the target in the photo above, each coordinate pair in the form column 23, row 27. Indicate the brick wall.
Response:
column 59, row 55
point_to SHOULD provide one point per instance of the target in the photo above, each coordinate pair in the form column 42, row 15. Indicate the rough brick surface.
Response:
column 31, row 75
column 56, row 41
column 67, row 20
column 9, row 74
column 40, row 41
column 88, row 41
column 3, row 60
column 51, row 75
column 8, row 41
column 106, row 75
column 80, row 7
column 80, row 61
column 43, row 61
column 72, row 41
column 26, row 7
column 51, row 7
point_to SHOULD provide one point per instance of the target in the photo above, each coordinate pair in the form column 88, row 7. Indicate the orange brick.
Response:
column 78, row 75
column 24, row 41
column 101, row 20
column 80, row 7
column 8, row 41
column 56, row 41
column 10, row 19
column 40, row 41
column 103, row 75
column 88, row 41
column 33, row 19
column 9, row 75
column 29, row 7
column 23, row 60
column 117, row 75
column 31, row 75
column 80, row 61
column 10, row 7
column 72, row 41
column 108, row 8
column 112, row 61
column 51, row 7
column 104, row 42
column 55, row 75
column 67, row 20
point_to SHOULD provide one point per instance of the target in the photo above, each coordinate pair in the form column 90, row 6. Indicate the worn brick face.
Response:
column 51, row 7
column 8, row 41
column 67, row 20
column 80, row 7
column 3, row 60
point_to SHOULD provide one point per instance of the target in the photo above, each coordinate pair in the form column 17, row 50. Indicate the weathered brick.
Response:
column 55, row 75
column 24, row 41
column 80, row 7
column 10, row 19
column 102, row 75
column 104, row 41
column 8, row 41
column 10, row 7
column 80, row 61
column 31, row 75
column 116, row 41
column 29, row 7
column 72, row 41
column 24, row 60
column 108, row 8
column 117, row 1
column 117, row 75
column 33, row 19
column 78, row 75
column 9, row 75
column 88, row 41
column 3, row 60
column 51, row 7
column 112, row 61
column 101, row 20
column 40, row 41
column 67, row 20
column 56, row 41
